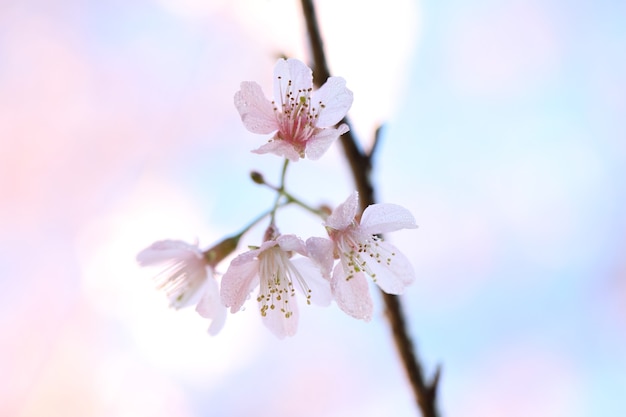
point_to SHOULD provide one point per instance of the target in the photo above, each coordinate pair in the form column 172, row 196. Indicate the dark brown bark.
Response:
column 361, row 166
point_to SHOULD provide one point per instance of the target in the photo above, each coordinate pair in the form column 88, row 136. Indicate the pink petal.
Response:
column 321, row 252
column 291, row 243
column 280, row 325
column 210, row 307
column 352, row 295
column 337, row 100
column 280, row 148
column 320, row 287
column 344, row 213
column 265, row 246
column 384, row 218
column 256, row 111
column 297, row 72
column 394, row 276
column 238, row 282
column 320, row 142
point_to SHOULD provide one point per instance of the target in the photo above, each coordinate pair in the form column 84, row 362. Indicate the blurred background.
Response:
column 504, row 135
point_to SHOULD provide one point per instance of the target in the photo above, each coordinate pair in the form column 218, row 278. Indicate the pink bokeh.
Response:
column 117, row 128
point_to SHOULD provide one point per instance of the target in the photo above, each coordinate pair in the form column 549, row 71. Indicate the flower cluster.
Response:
column 321, row 269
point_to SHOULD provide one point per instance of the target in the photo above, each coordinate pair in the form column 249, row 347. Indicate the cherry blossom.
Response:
column 187, row 279
column 301, row 118
column 362, row 253
column 271, row 268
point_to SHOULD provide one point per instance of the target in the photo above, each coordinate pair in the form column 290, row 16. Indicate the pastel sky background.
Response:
column 505, row 136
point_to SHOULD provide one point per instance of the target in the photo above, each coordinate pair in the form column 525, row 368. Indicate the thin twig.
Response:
column 361, row 165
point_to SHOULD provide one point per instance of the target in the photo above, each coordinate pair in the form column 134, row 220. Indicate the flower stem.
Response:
column 282, row 192
column 291, row 199
column 256, row 220
column 361, row 166
column 279, row 190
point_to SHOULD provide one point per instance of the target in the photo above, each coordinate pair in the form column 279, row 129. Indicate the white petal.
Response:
column 384, row 218
column 317, row 146
column 337, row 100
column 393, row 271
column 247, row 257
column 256, row 111
column 321, row 252
column 353, row 295
column 280, row 325
column 184, row 270
column 185, row 293
column 280, row 148
column 297, row 72
column 237, row 283
column 320, row 288
column 210, row 307
column 344, row 213
column 167, row 250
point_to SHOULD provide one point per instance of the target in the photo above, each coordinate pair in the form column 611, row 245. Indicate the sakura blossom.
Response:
column 301, row 118
column 186, row 278
column 271, row 268
column 361, row 252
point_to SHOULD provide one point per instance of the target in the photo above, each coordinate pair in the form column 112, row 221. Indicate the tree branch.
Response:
column 361, row 166
column 359, row 162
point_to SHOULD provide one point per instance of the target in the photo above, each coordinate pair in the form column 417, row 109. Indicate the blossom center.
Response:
column 296, row 115
column 180, row 279
column 277, row 274
column 359, row 253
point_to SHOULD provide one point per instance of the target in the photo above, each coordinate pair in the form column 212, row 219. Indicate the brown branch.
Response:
column 359, row 162
column 425, row 393
column 361, row 166
column 377, row 139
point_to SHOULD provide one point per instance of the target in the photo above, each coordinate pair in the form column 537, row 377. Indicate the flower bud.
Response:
column 271, row 233
column 257, row 177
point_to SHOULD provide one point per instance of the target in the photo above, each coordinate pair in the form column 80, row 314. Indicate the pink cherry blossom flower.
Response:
column 187, row 279
column 303, row 119
column 270, row 267
column 361, row 252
